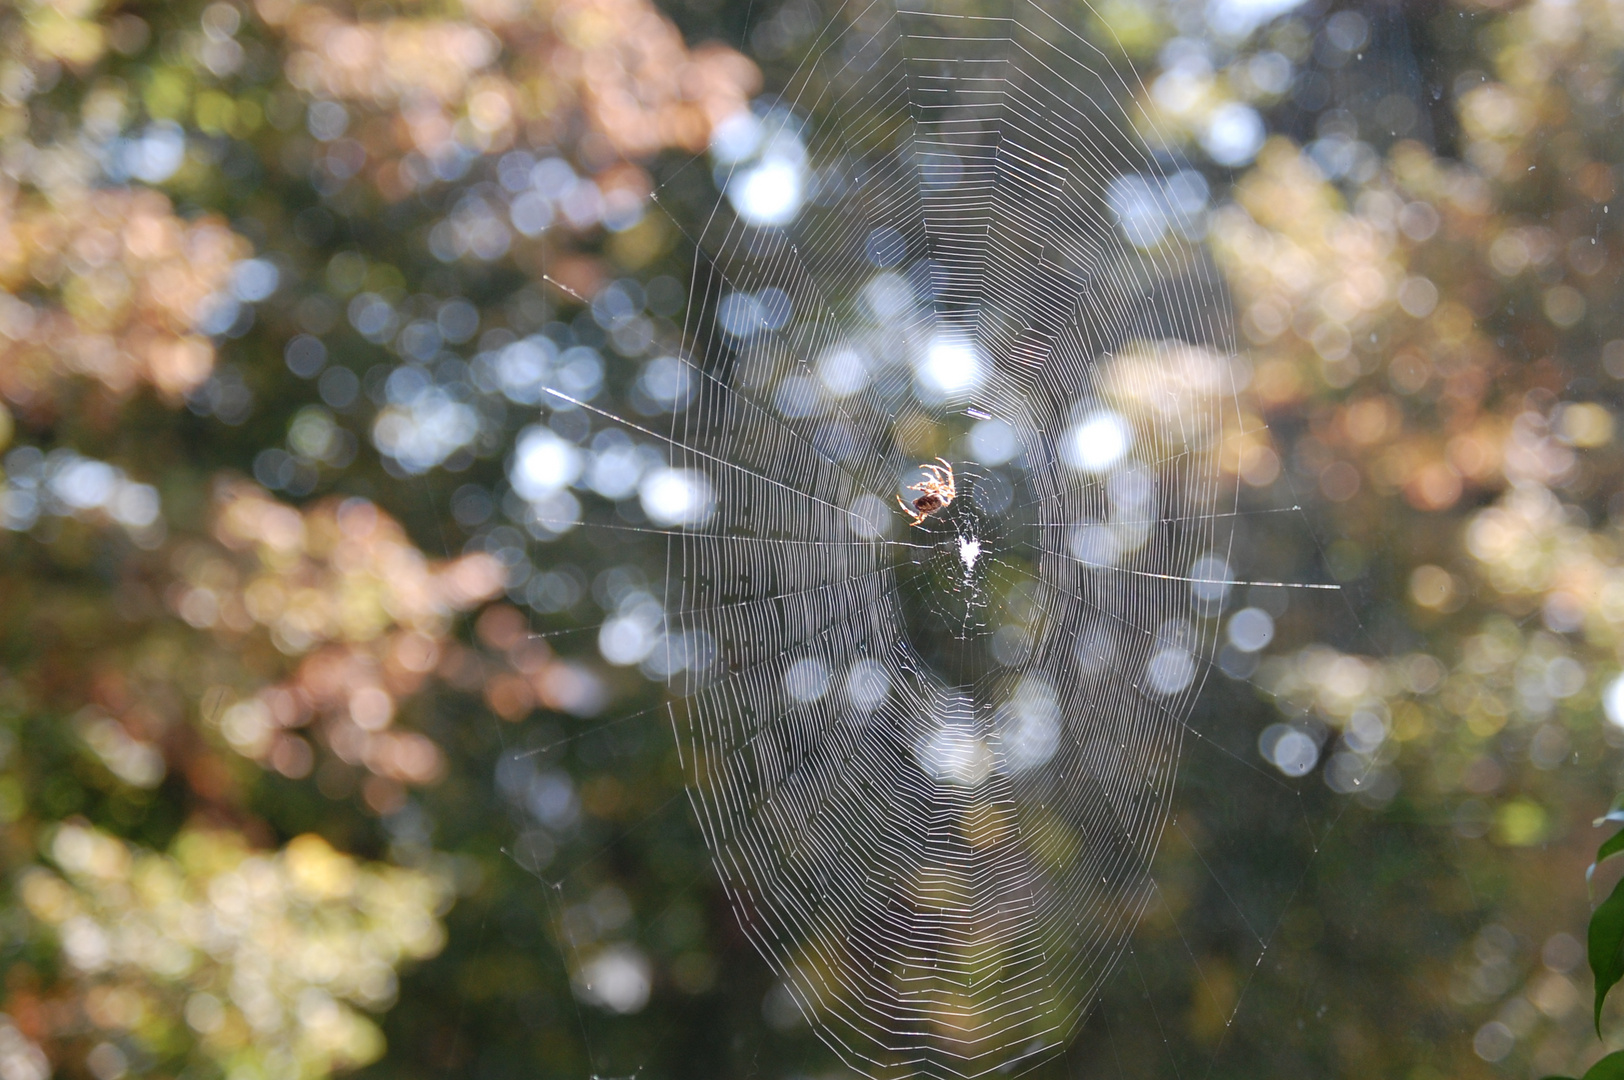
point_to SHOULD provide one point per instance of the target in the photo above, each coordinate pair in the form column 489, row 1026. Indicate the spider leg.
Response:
column 906, row 509
column 941, row 480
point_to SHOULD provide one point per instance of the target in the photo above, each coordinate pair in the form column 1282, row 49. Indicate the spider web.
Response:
column 933, row 763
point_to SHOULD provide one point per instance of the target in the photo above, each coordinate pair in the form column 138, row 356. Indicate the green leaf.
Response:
column 1609, row 847
column 1610, row 1067
column 1615, row 812
column 1607, row 948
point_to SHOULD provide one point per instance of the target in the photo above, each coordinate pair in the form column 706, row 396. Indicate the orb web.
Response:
column 932, row 762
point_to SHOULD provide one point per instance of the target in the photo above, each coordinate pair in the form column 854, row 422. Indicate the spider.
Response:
column 936, row 490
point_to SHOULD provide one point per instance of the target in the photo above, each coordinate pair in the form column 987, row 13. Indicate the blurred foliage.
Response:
column 261, row 957
column 210, row 691
column 294, row 656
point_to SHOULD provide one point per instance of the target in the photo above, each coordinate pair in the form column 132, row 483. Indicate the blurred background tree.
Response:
column 314, row 697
